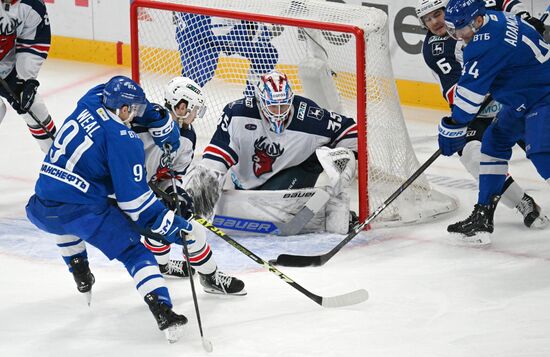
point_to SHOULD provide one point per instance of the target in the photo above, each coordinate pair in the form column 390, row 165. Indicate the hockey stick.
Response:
column 316, row 260
column 206, row 344
column 545, row 14
column 7, row 88
column 292, row 227
column 352, row 298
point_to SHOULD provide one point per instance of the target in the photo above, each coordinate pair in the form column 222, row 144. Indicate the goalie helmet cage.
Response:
column 225, row 45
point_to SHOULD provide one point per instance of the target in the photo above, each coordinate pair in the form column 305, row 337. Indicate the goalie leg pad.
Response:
column 2, row 110
column 253, row 212
column 337, row 214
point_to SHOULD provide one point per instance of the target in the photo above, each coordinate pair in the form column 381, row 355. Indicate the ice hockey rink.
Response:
column 429, row 295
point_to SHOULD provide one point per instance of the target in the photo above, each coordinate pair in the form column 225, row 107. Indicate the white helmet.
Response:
column 424, row 7
column 184, row 89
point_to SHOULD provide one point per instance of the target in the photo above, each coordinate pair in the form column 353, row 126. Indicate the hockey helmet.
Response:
column 424, row 7
column 122, row 91
column 274, row 95
column 462, row 13
column 182, row 89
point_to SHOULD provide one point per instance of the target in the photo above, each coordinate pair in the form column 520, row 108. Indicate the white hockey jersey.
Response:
column 244, row 144
column 25, row 38
column 156, row 168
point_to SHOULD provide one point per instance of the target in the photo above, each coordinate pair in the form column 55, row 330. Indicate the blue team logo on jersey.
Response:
column 315, row 113
column 438, row 48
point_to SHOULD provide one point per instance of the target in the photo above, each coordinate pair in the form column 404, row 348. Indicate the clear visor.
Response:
column 189, row 115
column 458, row 33
column 135, row 110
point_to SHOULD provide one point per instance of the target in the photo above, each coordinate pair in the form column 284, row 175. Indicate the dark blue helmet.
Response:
column 121, row 91
column 461, row 13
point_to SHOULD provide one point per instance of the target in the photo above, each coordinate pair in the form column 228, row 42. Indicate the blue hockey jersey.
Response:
column 508, row 58
column 443, row 54
column 94, row 156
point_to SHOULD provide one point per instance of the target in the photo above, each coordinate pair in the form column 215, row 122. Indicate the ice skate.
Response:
column 175, row 269
column 167, row 320
column 478, row 227
column 83, row 277
column 220, row 283
column 531, row 213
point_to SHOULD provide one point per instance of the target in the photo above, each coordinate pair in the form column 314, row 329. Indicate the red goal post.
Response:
column 150, row 60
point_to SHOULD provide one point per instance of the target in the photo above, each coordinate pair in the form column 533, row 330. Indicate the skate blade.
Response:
column 540, row 222
column 174, row 333
column 88, row 297
column 478, row 240
column 218, row 292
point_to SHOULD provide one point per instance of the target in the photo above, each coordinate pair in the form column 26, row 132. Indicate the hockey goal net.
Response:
column 341, row 49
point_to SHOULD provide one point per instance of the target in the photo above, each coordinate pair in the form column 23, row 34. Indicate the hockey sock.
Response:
column 492, row 175
column 142, row 266
column 70, row 247
column 41, row 136
column 201, row 259
column 512, row 193
column 542, row 163
column 160, row 250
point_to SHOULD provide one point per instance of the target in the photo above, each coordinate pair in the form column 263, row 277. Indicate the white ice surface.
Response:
column 429, row 296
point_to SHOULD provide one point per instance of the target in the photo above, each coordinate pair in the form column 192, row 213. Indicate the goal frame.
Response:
column 360, row 54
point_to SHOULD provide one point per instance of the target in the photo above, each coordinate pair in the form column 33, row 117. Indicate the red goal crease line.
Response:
column 360, row 49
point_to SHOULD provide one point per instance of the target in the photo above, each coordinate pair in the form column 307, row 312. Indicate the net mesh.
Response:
column 225, row 55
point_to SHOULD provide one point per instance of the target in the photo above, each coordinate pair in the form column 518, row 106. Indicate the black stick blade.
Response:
column 301, row 261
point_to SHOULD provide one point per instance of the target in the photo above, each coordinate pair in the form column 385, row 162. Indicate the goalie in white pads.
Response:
column 184, row 102
column 279, row 142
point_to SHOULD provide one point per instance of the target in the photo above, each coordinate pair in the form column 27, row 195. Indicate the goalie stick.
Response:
column 292, row 227
column 10, row 92
column 352, row 298
column 316, row 260
column 206, row 344
column 355, row 297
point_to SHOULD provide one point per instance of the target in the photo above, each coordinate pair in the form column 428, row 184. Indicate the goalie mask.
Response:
column 182, row 89
column 274, row 96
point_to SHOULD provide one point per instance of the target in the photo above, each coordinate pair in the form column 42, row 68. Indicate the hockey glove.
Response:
column 161, row 126
column 533, row 21
column 170, row 225
column 452, row 136
column 183, row 199
column 28, row 94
